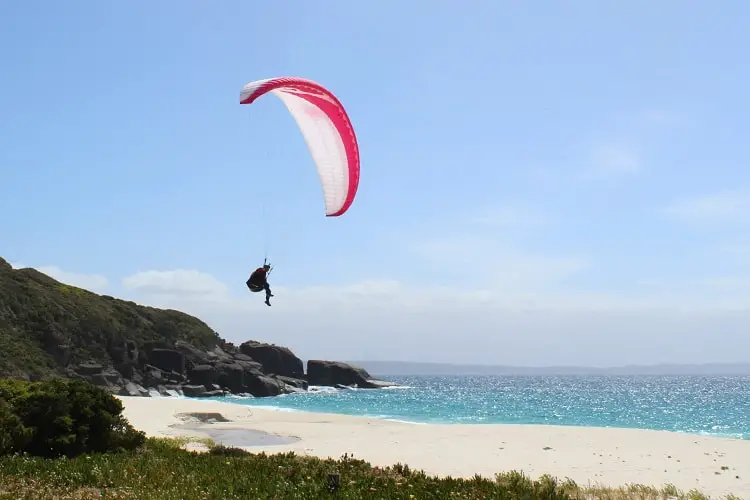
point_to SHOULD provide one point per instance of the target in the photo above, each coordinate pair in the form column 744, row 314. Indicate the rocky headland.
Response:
column 51, row 329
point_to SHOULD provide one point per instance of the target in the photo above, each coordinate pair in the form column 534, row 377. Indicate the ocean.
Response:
column 707, row 405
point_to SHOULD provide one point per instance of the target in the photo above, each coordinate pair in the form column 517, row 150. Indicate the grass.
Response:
column 162, row 469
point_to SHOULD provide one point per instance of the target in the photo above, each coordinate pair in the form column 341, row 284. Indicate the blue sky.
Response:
column 583, row 156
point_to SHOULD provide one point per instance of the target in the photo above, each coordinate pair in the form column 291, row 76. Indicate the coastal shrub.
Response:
column 161, row 469
column 62, row 417
column 13, row 434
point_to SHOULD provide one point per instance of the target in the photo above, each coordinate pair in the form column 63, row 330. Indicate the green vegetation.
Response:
column 46, row 325
column 62, row 418
column 161, row 469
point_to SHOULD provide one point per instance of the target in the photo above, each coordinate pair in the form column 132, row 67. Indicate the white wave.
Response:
column 405, row 421
column 733, row 435
column 280, row 409
column 391, row 419
column 321, row 388
column 237, row 396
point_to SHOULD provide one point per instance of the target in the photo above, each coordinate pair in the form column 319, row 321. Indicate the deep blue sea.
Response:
column 709, row 405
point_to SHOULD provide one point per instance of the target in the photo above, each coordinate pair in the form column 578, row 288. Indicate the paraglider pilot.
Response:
column 259, row 281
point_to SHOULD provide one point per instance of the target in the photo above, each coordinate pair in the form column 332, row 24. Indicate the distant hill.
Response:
column 391, row 368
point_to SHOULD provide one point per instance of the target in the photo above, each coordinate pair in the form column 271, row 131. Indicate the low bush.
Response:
column 161, row 469
column 62, row 417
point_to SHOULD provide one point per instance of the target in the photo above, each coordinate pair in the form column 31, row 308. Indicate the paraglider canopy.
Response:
column 327, row 130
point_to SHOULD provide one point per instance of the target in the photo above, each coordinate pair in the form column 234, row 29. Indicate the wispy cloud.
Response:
column 93, row 282
column 495, row 264
column 726, row 206
column 615, row 149
column 732, row 285
column 618, row 150
column 176, row 281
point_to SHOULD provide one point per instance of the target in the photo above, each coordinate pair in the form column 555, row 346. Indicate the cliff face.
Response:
column 48, row 328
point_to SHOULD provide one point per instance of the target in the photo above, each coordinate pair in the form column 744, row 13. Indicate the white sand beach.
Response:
column 611, row 457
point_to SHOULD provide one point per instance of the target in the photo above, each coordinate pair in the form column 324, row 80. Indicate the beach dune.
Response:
column 609, row 457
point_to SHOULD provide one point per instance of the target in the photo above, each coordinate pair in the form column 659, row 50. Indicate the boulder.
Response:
column 214, row 393
column 333, row 373
column 108, row 378
column 218, row 354
column 262, row 386
column 98, row 379
column 231, row 376
column 294, row 382
column 274, row 359
column 115, row 389
column 193, row 355
column 200, row 391
column 123, row 352
column 250, row 366
column 194, row 391
column 167, row 360
column 174, row 377
column 89, row 368
column 202, row 375
column 113, row 377
column 152, row 376
column 126, row 369
column 130, row 389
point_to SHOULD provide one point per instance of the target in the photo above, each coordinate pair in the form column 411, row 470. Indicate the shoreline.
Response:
column 589, row 455
column 270, row 407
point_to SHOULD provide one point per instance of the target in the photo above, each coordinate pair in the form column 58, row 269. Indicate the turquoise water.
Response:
column 703, row 405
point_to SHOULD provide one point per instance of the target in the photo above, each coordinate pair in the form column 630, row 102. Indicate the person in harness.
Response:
column 258, row 281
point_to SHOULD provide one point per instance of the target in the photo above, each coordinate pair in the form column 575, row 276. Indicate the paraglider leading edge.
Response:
column 327, row 130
